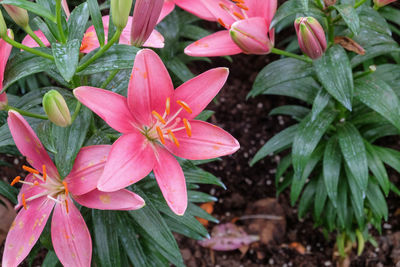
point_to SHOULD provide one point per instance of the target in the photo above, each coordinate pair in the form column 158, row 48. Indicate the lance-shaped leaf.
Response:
column 331, row 168
column 357, row 197
column 76, row 22
column 66, row 57
column 377, row 167
column 334, row 72
column 349, row 16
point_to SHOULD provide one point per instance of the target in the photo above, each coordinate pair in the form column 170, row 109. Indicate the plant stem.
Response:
column 288, row 54
column 371, row 69
column 26, row 48
column 109, row 78
column 59, row 25
column 359, row 3
column 331, row 30
column 76, row 112
column 101, row 51
column 29, row 31
column 26, row 113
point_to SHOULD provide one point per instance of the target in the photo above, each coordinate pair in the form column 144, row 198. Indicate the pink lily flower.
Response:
column 5, row 50
column 246, row 24
column 158, row 122
column 44, row 190
column 90, row 41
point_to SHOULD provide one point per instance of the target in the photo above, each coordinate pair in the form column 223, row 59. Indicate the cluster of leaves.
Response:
column 333, row 163
column 121, row 238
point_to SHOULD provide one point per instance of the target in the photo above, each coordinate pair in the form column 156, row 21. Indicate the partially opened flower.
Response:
column 5, row 50
column 44, row 190
column 158, row 122
column 246, row 24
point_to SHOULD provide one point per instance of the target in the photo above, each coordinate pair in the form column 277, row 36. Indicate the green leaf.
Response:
column 390, row 74
column 307, row 198
column 199, row 197
column 354, row 154
column 106, row 237
column 349, row 16
column 320, row 102
column 297, row 112
column 24, row 64
column 377, row 201
column 77, row 22
column 331, row 168
column 334, row 72
column 117, row 57
column 342, row 208
column 377, row 95
column 372, row 19
column 391, row 13
column 44, row 131
column 50, row 260
column 196, row 175
column 8, row 192
column 279, row 141
column 69, row 140
column 320, row 197
column 97, row 21
column 193, row 32
column 45, row 29
column 32, row 7
column 389, row 156
column 270, row 76
column 330, row 216
column 66, row 57
column 129, row 240
column 376, row 166
column 205, row 115
column 357, row 197
column 178, row 68
column 283, row 165
column 307, row 137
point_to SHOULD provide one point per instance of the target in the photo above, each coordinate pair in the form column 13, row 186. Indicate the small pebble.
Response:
column 16, row 161
column 328, row 263
column 387, row 226
column 271, row 261
column 269, row 182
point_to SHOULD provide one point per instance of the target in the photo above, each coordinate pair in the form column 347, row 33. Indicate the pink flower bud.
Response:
column 311, row 37
column 252, row 36
column 381, row 3
column 3, row 101
column 56, row 108
column 145, row 17
column 19, row 15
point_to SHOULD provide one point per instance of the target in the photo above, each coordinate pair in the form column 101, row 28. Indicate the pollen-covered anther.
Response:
column 29, row 169
column 184, row 106
column 158, row 117
column 188, row 127
column 35, row 183
column 66, row 205
column 168, row 105
column 223, row 6
column 238, row 15
column 239, row 1
column 65, row 188
column 171, row 134
column 160, row 135
column 221, row 22
column 242, row 6
column 23, row 201
column 44, row 172
column 16, row 180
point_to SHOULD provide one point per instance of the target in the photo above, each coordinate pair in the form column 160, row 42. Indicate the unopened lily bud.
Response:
column 56, row 108
column 311, row 37
column 120, row 10
column 19, row 15
column 145, row 17
column 3, row 26
column 252, row 36
column 3, row 101
column 381, row 3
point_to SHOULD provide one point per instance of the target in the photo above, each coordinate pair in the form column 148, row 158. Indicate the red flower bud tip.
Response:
column 381, row 3
column 311, row 37
column 145, row 17
column 3, row 101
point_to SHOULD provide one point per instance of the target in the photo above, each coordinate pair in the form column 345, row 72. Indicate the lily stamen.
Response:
column 158, row 117
column 160, row 135
column 29, row 169
column 171, row 134
column 65, row 188
column 184, row 106
column 168, row 105
column 66, row 205
column 16, row 180
column 24, row 201
column 238, row 15
column 188, row 127
column 44, row 172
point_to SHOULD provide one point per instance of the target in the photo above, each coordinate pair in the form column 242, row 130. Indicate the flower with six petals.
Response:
column 44, row 190
column 158, row 122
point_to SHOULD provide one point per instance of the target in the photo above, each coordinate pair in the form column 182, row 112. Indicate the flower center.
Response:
column 166, row 125
column 234, row 12
column 52, row 188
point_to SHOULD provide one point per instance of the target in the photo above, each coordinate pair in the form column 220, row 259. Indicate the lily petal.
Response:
column 29, row 144
column 207, row 141
column 262, row 8
column 89, row 41
column 70, row 236
column 155, row 40
column 216, row 44
column 171, row 180
column 25, row 230
column 29, row 190
column 28, row 41
column 199, row 91
column 88, row 167
column 130, row 160
column 149, row 87
column 119, row 200
column 167, row 8
column 111, row 107
column 5, row 50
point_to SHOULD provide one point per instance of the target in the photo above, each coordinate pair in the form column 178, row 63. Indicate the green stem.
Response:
column 288, row 54
column 376, row 7
column 26, row 113
column 331, row 31
column 371, row 69
column 59, row 25
column 29, row 31
column 320, row 5
column 26, row 48
column 76, row 112
column 101, row 51
column 359, row 3
column 109, row 78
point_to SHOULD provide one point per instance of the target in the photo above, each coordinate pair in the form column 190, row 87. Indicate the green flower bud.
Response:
column 3, row 26
column 56, row 108
column 19, row 15
column 120, row 10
